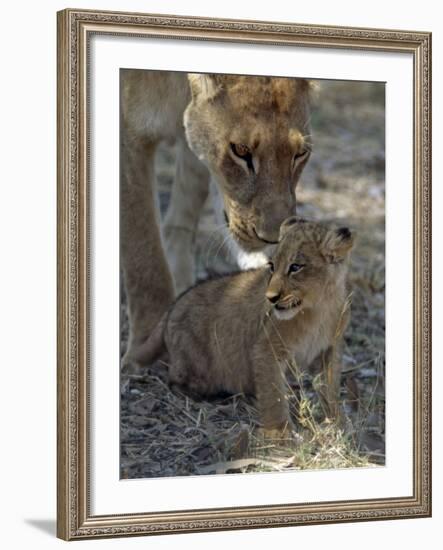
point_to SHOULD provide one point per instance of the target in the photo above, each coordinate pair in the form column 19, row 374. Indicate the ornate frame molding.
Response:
column 75, row 28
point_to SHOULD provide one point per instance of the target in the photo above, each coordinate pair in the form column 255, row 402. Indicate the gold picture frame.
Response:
column 75, row 28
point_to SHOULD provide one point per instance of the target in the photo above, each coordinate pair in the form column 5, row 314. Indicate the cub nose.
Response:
column 273, row 296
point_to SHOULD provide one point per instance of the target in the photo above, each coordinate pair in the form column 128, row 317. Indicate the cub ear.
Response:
column 337, row 244
column 313, row 89
column 288, row 224
column 205, row 86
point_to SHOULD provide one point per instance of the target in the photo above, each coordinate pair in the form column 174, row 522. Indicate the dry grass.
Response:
column 167, row 434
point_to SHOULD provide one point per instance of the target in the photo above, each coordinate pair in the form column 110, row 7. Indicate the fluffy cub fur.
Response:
column 237, row 333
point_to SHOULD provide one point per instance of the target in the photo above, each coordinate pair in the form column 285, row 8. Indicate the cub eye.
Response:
column 243, row 152
column 293, row 268
column 271, row 267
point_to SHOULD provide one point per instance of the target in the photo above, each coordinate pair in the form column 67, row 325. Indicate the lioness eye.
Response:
column 299, row 156
column 271, row 267
column 293, row 268
column 243, row 152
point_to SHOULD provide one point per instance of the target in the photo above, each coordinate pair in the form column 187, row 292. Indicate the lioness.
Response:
column 237, row 333
column 249, row 134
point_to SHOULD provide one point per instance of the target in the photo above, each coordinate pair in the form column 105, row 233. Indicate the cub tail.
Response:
column 154, row 347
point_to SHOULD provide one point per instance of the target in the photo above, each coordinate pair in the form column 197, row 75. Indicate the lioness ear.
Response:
column 337, row 244
column 289, row 224
column 207, row 86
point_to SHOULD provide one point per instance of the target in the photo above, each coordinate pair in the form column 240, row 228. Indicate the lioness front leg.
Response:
column 148, row 281
column 271, row 394
column 188, row 195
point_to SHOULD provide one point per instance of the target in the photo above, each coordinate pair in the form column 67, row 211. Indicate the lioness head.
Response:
column 253, row 134
column 310, row 256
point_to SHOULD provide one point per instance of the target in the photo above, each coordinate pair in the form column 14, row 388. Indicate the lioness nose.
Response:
column 267, row 237
column 272, row 296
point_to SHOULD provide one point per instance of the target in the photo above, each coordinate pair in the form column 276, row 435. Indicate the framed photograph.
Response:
column 244, row 248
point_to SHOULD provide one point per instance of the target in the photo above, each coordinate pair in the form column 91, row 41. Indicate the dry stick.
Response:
column 194, row 420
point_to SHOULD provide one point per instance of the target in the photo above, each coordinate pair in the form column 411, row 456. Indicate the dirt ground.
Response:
column 165, row 433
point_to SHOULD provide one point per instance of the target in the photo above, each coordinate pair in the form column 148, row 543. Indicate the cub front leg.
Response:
column 271, row 394
column 188, row 196
column 328, row 384
column 148, row 281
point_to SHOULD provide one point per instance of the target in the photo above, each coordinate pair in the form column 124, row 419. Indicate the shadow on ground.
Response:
column 48, row 526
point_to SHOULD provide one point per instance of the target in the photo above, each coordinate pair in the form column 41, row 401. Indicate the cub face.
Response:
column 308, row 258
column 253, row 134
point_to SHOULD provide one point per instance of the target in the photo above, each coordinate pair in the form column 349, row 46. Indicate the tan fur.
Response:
column 228, row 334
column 271, row 117
column 268, row 115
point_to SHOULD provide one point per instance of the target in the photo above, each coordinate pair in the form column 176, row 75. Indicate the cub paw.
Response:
column 281, row 436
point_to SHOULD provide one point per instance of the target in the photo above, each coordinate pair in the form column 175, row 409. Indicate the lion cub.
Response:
column 237, row 333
